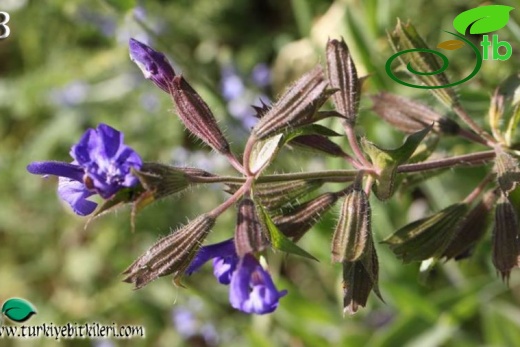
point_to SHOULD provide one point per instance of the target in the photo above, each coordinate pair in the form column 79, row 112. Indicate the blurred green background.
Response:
column 65, row 68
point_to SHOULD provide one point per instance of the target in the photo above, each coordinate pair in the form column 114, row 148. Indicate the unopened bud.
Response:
column 297, row 220
column 249, row 234
column 297, row 106
column 153, row 64
column 410, row 116
column 171, row 254
column 343, row 76
column 353, row 229
column 506, row 238
column 427, row 237
column 196, row 115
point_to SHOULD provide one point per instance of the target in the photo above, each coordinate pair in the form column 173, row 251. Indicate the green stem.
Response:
column 472, row 159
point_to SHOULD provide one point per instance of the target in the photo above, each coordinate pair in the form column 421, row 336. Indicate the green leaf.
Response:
column 18, row 310
column 279, row 240
column 264, row 152
column 483, row 19
column 387, row 161
column 312, row 129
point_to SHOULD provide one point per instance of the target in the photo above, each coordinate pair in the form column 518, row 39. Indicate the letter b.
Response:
column 496, row 45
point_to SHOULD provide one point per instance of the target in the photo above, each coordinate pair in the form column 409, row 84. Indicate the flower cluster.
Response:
column 276, row 211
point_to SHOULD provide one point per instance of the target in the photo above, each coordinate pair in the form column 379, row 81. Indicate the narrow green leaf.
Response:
column 279, row 240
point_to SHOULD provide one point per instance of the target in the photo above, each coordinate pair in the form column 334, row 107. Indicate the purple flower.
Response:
column 102, row 165
column 153, row 64
column 251, row 288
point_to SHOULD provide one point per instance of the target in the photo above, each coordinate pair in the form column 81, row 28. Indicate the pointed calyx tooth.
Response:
column 360, row 277
column 296, row 107
column 343, row 76
column 250, row 236
column 171, row 254
column 506, row 237
column 410, row 116
column 295, row 221
column 349, row 241
column 196, row 115
column 507, row 171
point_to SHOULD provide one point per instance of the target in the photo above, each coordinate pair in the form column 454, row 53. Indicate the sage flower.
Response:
column 102, row 165
column 251, row 287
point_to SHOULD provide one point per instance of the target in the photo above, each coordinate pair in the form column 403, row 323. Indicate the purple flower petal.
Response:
column 102, row 164
column 153, row 64
column 252, row 290
column 56, row 168
column 205, row 253
column 75, row 194
column 224, row 267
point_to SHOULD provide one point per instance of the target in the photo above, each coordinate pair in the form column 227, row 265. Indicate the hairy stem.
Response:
column 354, row 144
column 479, row 189
column 472, row 159
column 246, row 187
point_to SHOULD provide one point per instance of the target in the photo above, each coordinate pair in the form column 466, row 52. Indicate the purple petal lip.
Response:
column 153, row 64
column 101, row 159
column 251, row 287
column 56, row 168
column 252, row 290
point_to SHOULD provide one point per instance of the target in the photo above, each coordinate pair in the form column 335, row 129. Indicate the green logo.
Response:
column 18, row 310
column 480, row 20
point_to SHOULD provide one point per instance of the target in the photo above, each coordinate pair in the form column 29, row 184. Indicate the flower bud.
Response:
column 410, row 116
column 297, row 106
column 471, row 229
column 506, row 238
column 343, row 76
column 171, row 254
column 276, row 194
column 153, row 64
column 360, row 277
column 294, row 222
column 196, row 115
column 427, row 237
column 353, row 229
column 507, row 170
column 249, row 234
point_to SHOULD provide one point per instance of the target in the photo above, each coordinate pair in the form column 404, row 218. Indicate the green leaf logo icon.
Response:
column 483, row 19
column 18, row 310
